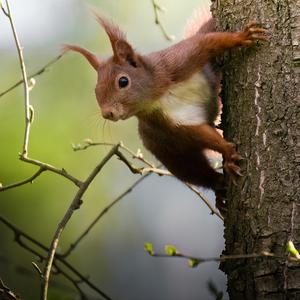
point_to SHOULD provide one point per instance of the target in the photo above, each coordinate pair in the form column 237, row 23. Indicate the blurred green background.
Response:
column 161, row 210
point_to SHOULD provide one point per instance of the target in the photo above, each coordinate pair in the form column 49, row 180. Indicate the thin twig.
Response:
column 205, row 200
column 19, row 234
column 37, row 73
column 3, row 10
column 103, row 212
column 161, row 172
column 28, row 115
column 83, row 186
column 7, row 293
column 157, row 8
column 76, row 202
column 197, row 260
column 138, row 155
column 43, row 168
column 29, row 180
column 89, row 143
column 53, row 169
column 24, row 75
column 71, row 279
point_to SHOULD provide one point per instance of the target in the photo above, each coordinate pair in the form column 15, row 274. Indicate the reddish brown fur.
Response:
column 179, row 150
column 93, row 60
column 179, row 147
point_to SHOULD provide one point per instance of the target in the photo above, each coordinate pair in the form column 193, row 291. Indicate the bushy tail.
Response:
column 200, row 22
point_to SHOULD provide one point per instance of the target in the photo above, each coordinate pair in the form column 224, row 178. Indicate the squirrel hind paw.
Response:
column 233, row 170
column 230, row 166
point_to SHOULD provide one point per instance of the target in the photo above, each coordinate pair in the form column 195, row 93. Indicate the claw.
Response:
column 237, row 157
column 231, row 156
column 251, row 24
column 253, row 33
column 259, row 37
column 239, row 173
column 258, row 30
column 233, row 170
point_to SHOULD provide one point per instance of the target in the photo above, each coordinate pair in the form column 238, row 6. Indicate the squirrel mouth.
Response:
column 115, row 116
column 126, row 116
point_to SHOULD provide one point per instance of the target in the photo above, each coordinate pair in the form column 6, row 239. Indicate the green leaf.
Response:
column 291, row 249
column 171, row 250
column 149, row 248
column 193, row 263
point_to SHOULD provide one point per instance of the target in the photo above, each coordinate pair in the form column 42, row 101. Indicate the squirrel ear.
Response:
column 124, row 52
column 92, row 58
column 121, row 48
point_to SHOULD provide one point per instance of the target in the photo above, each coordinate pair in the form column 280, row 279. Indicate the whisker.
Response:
column 111, row 140
column 103, row 130
column 92, row 119
column 103, row 139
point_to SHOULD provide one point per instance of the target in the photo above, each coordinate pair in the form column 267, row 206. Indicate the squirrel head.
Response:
column 125, row 80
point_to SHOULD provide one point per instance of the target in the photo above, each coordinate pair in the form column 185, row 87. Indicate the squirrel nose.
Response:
column 108, row 114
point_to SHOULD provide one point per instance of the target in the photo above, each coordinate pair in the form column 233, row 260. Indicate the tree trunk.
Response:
column 261, row 115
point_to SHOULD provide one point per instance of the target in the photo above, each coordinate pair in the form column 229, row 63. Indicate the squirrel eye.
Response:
column 123, row 81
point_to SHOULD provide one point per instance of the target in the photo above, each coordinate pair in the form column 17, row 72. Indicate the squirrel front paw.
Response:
column 229, row 164
column 253, row 33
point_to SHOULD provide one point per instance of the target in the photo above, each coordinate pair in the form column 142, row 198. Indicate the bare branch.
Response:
column 24, row 75
column 71, row 279
column 135, row 170
column 102, row 213
column 19, row 235
column 52, row 259
column 35, row 74
column 6, row 293
column 76, row 202
column 53, row 169
column 205, row 200
column 43, row 167
column 157, row 8
column 195, row 261
column 136, row 155
column 28, row 118
column 29, row 180
column 3, row 10
column 82, row 279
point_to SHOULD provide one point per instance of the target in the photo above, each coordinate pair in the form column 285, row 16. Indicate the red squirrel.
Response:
column 174, row 95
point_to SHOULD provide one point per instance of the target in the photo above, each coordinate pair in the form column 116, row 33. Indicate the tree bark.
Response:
column 261, row 115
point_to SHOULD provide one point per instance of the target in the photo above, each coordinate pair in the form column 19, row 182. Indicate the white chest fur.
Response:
column 185, row 103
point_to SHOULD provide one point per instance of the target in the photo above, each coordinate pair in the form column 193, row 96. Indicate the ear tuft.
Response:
column 122, row 50
column 113, row 31
column 92, row 58
column 125, row 53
